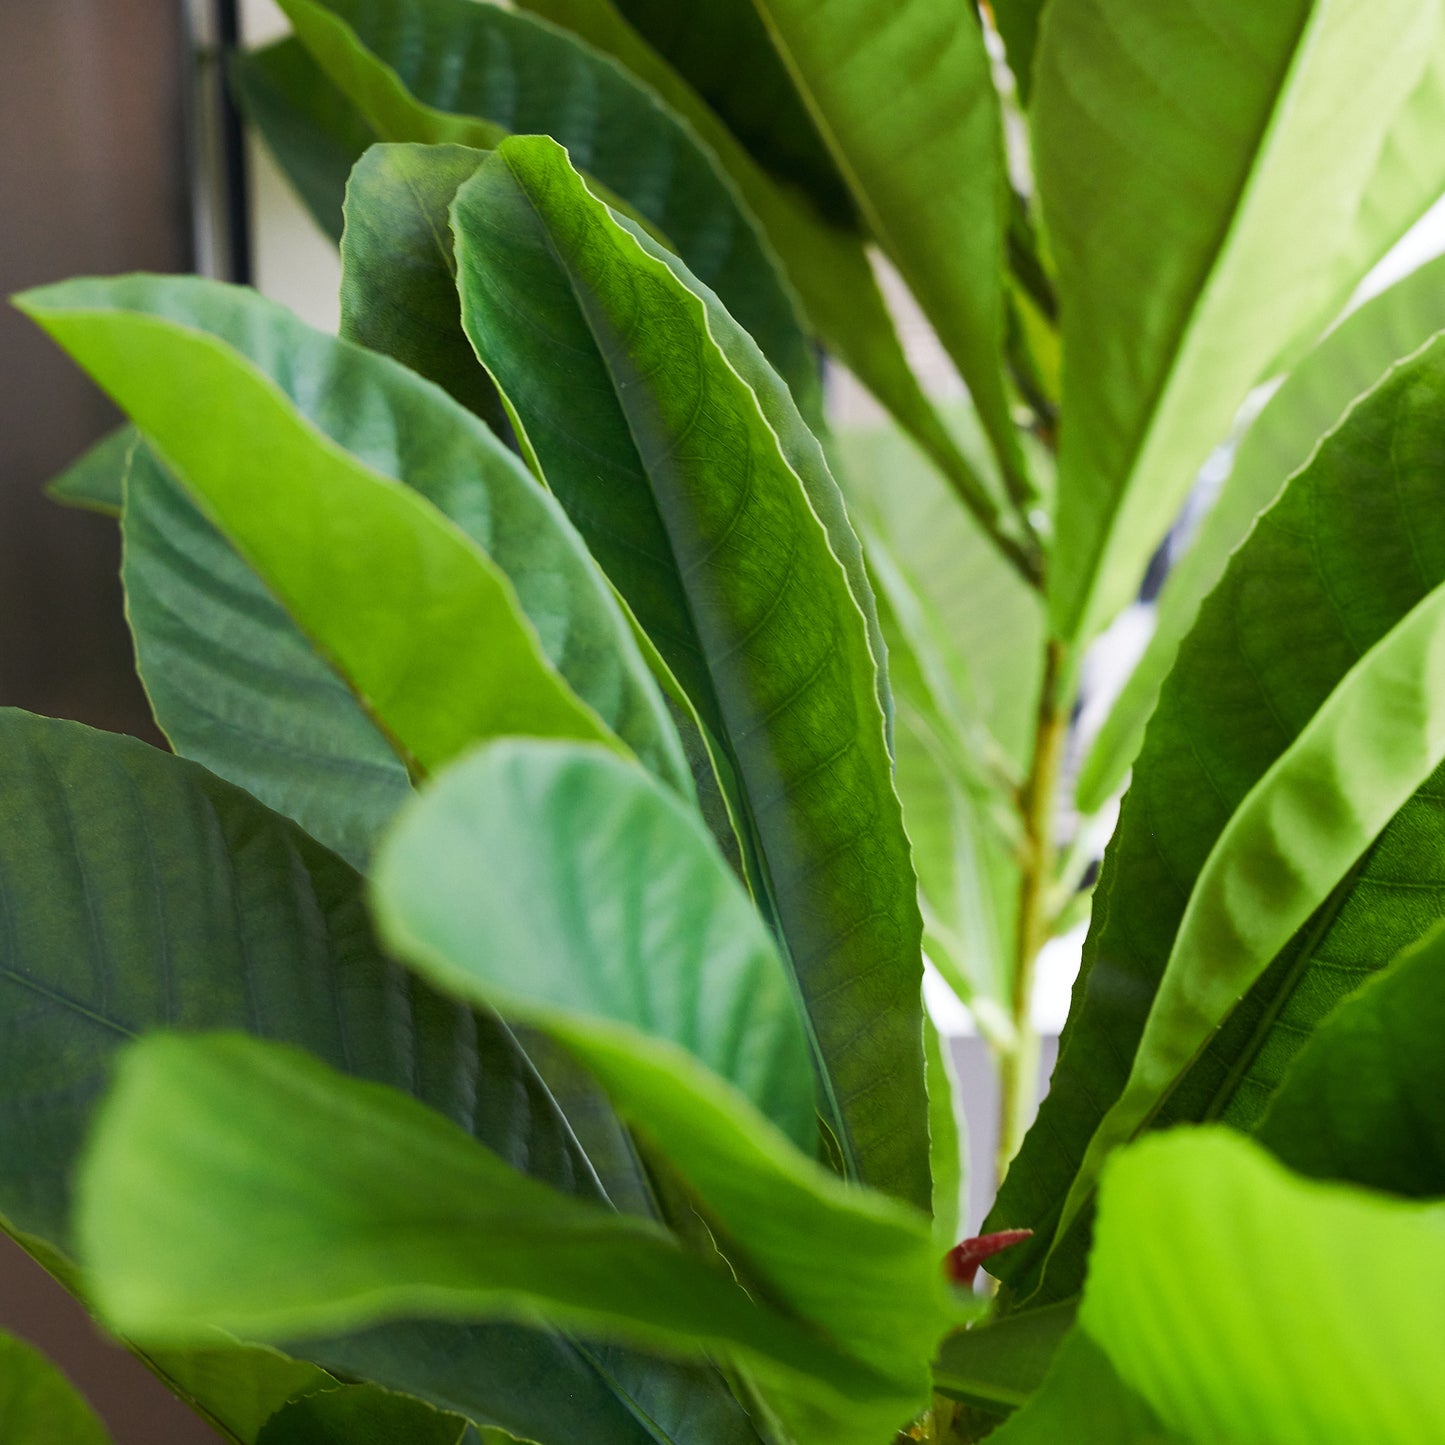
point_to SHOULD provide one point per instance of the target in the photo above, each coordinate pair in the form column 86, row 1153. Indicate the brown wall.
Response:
column 92, row 179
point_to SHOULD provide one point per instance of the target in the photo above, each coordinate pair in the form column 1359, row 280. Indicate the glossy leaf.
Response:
column 825, row 263
column 1312, row 400
column 93, row 480
column 235, row 685
column 1361, row 1102
column 234, row 1183
column 1253, row 131
column 678, row 455
column 394, row 59
column 172, row 899
column 396, row 594
column 38, row 1405
column 903, row 95
column 1083, row 1400
column 1303, row 711
column 360, row 1415
column 585, row 894
column 853, row 1262
column 725, row 54
column 314, row 132
column 1222, row 1291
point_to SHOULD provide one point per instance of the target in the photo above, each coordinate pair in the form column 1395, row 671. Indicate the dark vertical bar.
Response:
column 234, row 181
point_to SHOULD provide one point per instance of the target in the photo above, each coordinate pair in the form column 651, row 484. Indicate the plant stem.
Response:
column 1018, row 1068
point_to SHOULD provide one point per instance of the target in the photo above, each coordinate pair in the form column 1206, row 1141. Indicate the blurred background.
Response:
column 125, row 154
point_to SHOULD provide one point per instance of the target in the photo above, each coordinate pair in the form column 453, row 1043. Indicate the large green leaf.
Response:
column 234, row 684
column 1361, row 1102
column 1304, row 710
column 679, row 456
column 1350, row 360
column 360, row 1415
column 826, row 263
column 902, row 92
column 725, row 54
column 234, row 1183
column 655, row 1022
column 38, row 1405
column 171, row 899
column 296, row 444
column 398, row 271
column 397, row 60
column 315, row 133
column 628, row 919
column 1223, row 151
column 1223, row 1290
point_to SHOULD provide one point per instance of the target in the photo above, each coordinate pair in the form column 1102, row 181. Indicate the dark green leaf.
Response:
column 38, row 1405
column 1361, row 1102
column 708, row 504
column 315, row 133
column 1003, row 1363
column 137, row 891
column 1018, row 24
column 239, row 1184
column 397, row 595
column 360, row 1415
column 1300, row 715
column 397, row 61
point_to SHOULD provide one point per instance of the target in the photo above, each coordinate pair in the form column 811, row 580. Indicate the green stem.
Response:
column 1018, row 1068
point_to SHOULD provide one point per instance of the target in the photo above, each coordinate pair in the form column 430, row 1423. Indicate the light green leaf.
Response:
column 314, row 132
column 234, row 1183
column 901, row 91
column 711, row 509
column 1224, row 1290
column 582, row 891
column 38, row 1405
column 1082, row 1400
column 1304, row 711
column 296, row 444
column 171, row 899
column 93, row 481
column 1313, row 399
column 945, row 1134
column 1224, row 152
column 1002, row 1363
column 360, row 1415
column 823, row 257
column 858, row 1265
column 235, row 685
column 395, row 59
column 398, row 273
column 1361, row 1102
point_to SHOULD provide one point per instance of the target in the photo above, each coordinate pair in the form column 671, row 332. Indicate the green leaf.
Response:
column 679, row 456
column 394, row 58
column 296, row 444
column 234, row 1183
column 825, row 263
column 1018, row 25
column 1303, row 712
column 237, row 1388
column 1082, row 1400
column 93, row 481
column 398, row 273
column 235, row 685
column 1224, row 1291
column 360, row 1415
column 579, row 835
column 858, row 1265
column 38, row 1405
column 315, row 133
column 723, row 51
column 1254, row 132
column 1361, row 1102
column 171, row 899
column 1004, row 1362
column 904, row 97
column 1313, row 399
column 945, row 1136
